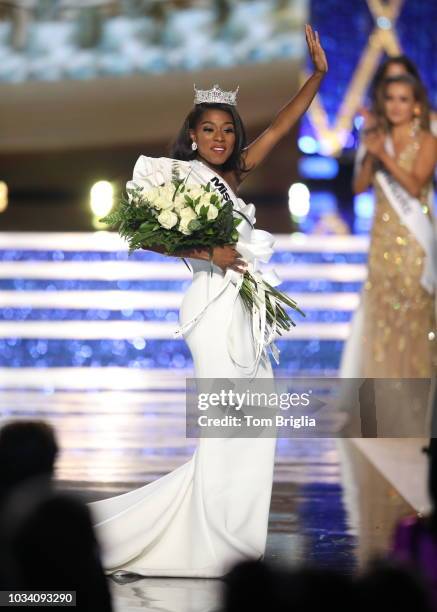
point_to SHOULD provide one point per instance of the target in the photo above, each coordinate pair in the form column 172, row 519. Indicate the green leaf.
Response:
column 194, row 224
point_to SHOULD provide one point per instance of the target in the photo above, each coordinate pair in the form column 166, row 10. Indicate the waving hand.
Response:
column 258, row 150
column 316, row 50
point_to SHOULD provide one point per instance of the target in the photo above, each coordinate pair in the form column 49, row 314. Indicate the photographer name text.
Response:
column 252, row 421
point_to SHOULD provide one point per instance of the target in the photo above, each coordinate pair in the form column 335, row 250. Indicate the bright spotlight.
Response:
column 3, row 196
column 299, row 200
column 101, row 198
column 358, row 122
column 364, row 205
column 308, row 144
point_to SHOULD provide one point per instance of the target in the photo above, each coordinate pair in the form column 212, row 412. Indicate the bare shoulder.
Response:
column 428, row 141
column 426, row 158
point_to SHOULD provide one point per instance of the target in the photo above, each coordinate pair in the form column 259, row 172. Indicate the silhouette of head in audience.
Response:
column 28, row 449
column 254, row 585
column 389, row 586
column 47, row 543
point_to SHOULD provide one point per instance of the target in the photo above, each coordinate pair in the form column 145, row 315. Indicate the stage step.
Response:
column 78, row 300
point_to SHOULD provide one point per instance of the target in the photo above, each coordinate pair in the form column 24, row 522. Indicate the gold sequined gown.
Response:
column 398, row 313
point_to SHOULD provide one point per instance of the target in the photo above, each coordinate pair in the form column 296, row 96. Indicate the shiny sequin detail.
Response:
column 399, row 313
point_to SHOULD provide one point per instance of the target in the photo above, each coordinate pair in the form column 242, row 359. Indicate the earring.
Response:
column 194, row 146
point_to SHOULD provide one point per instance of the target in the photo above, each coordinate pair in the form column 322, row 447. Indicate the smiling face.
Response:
column 399, row 103
column 215, row 136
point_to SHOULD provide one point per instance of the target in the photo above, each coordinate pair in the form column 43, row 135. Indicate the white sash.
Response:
column 254, row 246
column 413, row 217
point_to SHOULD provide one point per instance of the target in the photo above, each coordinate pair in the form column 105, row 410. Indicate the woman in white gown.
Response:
column 212, row 511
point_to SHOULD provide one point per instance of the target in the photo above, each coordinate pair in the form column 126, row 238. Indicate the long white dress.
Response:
column 212, row 511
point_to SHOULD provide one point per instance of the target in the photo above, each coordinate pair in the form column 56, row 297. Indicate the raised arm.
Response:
column 422, row 171
column 364, row 175
column 258, row 150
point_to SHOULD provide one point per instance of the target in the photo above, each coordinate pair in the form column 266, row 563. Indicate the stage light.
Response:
column 299, row 237
column 299, row 200
column 350, row 142
column 3, row 196
column 101, row 198
column 308, row 145
column 332, row 143
column 98, row 226
column 318, row 167
column 358, row 121
column 384, row 23
column 323, row 202
column 364, row 205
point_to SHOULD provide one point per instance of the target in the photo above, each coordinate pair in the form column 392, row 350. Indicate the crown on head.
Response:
column 216, row 95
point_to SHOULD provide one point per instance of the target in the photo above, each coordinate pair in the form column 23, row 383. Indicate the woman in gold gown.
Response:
column 397, row 315
column 392, row 330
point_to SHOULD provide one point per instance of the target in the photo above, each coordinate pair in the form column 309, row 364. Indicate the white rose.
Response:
column 163, row 199
column 183, row 227
column 180, row 210
column 195, row 192
column 150, row 193
column 212, row 212
column 179, row 203
column 144, row 196
column 170, row 189
column 187, row 215
column 163, row 203
column 167, row 219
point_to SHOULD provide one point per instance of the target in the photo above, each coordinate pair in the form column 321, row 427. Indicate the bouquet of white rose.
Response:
column 174, row 216
column 178, row 217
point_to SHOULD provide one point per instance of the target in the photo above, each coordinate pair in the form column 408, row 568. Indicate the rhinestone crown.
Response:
column 215, row 95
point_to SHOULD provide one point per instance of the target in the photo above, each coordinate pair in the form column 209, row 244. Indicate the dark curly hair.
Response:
column 181, row 148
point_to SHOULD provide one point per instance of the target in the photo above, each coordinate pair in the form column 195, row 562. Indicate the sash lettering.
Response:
column 220, row 187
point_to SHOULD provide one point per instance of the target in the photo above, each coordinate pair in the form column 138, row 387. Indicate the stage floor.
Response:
column 335, row 502
column 330, row 506
column 86, row 343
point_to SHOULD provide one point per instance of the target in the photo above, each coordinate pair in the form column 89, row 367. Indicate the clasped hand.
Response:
column 227, row 256
column 374, row 143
